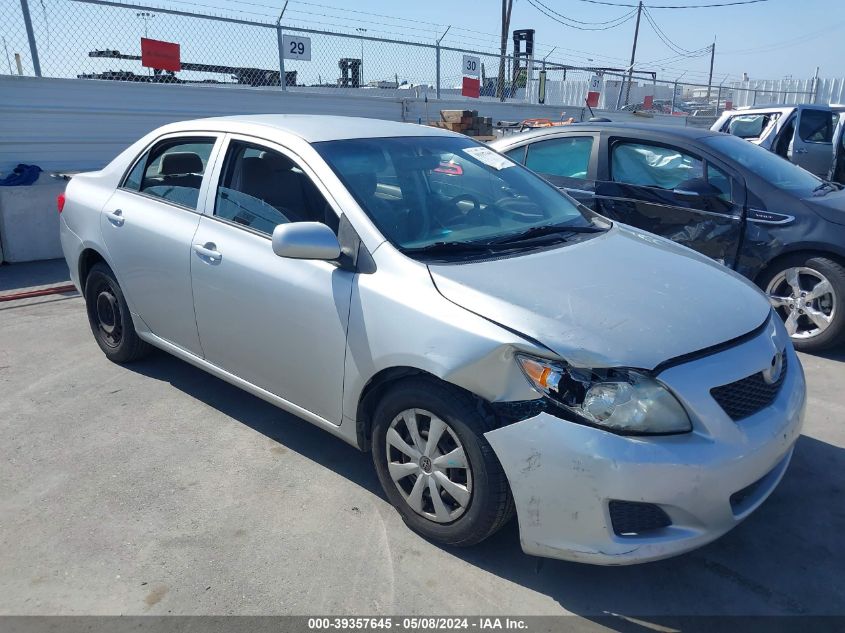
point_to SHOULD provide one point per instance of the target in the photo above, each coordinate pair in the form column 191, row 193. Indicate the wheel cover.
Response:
column 107, row 310
column 428, row 465
column 805, row 300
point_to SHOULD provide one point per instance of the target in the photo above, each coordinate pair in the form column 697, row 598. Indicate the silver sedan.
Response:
column 497, row 347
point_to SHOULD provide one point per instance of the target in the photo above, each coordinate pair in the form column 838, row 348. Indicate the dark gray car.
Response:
column 745, row 207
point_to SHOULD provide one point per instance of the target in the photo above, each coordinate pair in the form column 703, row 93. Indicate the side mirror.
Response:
column 305, row 240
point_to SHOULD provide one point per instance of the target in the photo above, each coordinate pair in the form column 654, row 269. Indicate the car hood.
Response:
column 830, row 206
column 623, row 298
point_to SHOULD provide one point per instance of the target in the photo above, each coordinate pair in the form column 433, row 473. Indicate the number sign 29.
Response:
column 296, row 47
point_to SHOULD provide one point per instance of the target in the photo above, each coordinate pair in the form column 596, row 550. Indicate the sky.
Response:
column 767, row 40
column 770, row 39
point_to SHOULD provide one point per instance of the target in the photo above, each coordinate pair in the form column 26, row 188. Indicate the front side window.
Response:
column 647, row 165
column 261, row 188
column 172, row 170
column 568, row 157
column 434, row 190
column 816, row 126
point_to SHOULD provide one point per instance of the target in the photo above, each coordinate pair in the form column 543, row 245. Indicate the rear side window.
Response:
column 172, row 170
column 751, row 125
column 568, row 157
column 817, row 126
column 648, row 165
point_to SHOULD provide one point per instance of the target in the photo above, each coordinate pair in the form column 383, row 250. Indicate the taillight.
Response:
column 60, row 201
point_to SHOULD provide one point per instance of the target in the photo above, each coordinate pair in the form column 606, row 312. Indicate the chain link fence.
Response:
column 101, row 39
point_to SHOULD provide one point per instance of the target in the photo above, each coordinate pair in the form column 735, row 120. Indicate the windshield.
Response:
column 775, row 170
column 435, row 191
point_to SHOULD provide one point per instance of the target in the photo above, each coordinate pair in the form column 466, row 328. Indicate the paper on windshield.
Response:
column 489, row 157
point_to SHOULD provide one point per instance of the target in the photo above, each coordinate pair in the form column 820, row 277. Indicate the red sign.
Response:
column 648, row 102
column 160, row 55
column 593, row 99
column 471, row 87
column 729, row 105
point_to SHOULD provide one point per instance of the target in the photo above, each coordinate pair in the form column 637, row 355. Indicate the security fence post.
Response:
column 283, row 80
column 30, row 35
column 437, row 57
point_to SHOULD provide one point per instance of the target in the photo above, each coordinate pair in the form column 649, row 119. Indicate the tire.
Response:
column 488, row 505
column 109, row 317
column 815, row 323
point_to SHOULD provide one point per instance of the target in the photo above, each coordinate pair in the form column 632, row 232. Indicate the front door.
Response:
column 277, row 323
column 147, row 226
column 674, row 193
column 812, row 141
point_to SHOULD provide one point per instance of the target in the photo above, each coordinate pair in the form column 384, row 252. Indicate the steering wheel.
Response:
column 523, row 211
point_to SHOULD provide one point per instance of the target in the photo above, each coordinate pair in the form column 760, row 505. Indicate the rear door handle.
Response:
column 116, row 217
column 208, row 250
column 801, row 150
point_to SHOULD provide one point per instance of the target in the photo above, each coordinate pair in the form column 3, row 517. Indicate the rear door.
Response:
column 567, row 161
column 673, row 192
column 812, row 143
column 147, row 226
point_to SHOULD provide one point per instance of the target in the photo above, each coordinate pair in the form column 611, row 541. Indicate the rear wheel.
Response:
column 435, row 465
column 808, row 293
column 109, row 317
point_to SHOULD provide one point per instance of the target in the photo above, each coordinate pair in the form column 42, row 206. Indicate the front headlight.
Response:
column 624, row 400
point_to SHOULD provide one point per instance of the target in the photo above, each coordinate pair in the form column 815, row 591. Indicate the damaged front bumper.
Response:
column 566, row 477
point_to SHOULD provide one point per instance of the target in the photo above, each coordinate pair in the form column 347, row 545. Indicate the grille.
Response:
column 749, row 395
column 632, row 518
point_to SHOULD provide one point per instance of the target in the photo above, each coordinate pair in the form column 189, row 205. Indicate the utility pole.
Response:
column 507, row 5
column 633, row 51
column 710, row 79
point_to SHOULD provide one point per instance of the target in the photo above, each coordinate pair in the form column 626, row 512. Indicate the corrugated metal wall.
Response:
column 77, row 124
column 73, row 124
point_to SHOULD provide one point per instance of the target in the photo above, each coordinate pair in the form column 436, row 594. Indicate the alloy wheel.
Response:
column 428, row 465
column 805, row 299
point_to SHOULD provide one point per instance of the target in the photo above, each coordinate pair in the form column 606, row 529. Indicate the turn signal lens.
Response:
column 60, row 201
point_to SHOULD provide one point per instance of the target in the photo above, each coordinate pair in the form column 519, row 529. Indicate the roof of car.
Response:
column 314, row 127
column 675, row 131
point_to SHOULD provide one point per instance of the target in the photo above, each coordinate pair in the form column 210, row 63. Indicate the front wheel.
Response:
column 808, row 293
column 435, row 465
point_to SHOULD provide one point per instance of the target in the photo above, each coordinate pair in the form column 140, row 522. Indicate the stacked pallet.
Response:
column 466, row 122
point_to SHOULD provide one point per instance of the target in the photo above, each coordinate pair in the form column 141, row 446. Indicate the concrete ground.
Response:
column 156, row 488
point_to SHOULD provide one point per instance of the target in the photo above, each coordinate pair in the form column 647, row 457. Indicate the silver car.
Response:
column 497, row 347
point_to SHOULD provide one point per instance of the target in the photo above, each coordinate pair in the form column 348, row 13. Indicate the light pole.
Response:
column 146, row 16
column 361, row 68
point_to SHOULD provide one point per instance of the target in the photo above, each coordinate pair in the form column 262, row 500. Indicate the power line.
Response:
column 537, row 4
column 675, row 6
column 676, row 48
column 568, row 19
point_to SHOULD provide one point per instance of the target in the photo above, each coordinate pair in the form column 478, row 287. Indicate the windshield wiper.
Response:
column 437, row 248
column 546, row 229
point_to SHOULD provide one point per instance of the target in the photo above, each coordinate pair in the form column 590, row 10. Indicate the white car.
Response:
column 497, row 347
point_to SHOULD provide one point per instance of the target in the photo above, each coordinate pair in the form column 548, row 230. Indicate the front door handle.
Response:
column 801, row 150
column 209, row 251
column 116, row 217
